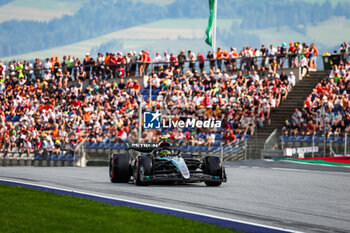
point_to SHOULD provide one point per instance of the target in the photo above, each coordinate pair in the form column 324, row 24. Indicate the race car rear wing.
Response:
column 141, row 147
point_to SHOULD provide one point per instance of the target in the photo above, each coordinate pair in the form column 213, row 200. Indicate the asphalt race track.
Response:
column 299, row 197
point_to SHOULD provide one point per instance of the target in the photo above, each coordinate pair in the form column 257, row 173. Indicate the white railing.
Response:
column 271, row 141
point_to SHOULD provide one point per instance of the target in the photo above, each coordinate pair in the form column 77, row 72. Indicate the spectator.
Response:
column 272, row 54
column 2, row 70
column 211, row 59
column 291, row 80
column 166, row 60
column 264, row 53
column 192, row 60
column 87, row 65
column 292, row 55
column 219, row 58
column 233, row 58
column 282, row 52
column 181, row 59
column 313, row 55
column 201, row 61
column 48, row 65
column 304, row 65
column 157, row 62
column 133, row 61
column 173, row 62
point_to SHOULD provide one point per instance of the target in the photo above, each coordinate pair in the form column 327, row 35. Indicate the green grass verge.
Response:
column 27, row 210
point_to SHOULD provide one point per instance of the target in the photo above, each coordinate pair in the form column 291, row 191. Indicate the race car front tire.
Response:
column 213, row 167
column 143, row 169
column 119, row 168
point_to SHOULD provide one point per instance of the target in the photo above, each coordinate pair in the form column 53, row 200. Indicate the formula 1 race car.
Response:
column 163, row 163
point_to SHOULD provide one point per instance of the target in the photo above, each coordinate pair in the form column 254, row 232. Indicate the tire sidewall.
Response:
column 119, row 168
column 213, row 167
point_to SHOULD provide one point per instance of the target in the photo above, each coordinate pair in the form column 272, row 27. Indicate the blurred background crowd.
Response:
column 46, row 109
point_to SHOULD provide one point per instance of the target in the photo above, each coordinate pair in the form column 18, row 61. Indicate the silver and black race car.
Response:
column 164, row 163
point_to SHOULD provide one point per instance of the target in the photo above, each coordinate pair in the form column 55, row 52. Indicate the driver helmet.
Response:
column 165, row 153
column 164, row 144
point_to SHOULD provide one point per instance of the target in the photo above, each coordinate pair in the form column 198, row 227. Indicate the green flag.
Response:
column 209, row 31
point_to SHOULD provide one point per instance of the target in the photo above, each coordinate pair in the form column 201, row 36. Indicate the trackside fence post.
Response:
column 282, row 142
column 80, row 150
column 313, row 145
column 331, row 151
column 324, row 144
column 346, row 143
column 256, row 142
column 221, row 151
column 140, row 118
column 299, row 66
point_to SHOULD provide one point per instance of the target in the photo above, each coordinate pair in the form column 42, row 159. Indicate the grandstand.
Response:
column 73, row 111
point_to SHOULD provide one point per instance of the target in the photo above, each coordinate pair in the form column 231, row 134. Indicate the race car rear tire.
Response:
column 213, row 167
column 143, row 168
column 119, row 168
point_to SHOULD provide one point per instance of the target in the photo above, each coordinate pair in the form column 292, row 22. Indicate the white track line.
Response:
column 312, row 171
column 295, row 169
column 152, row 205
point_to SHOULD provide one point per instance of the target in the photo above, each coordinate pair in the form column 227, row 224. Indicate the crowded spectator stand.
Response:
column 47, row 110
column 324, row 117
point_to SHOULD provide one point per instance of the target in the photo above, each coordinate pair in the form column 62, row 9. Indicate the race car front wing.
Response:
column 194, row 178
